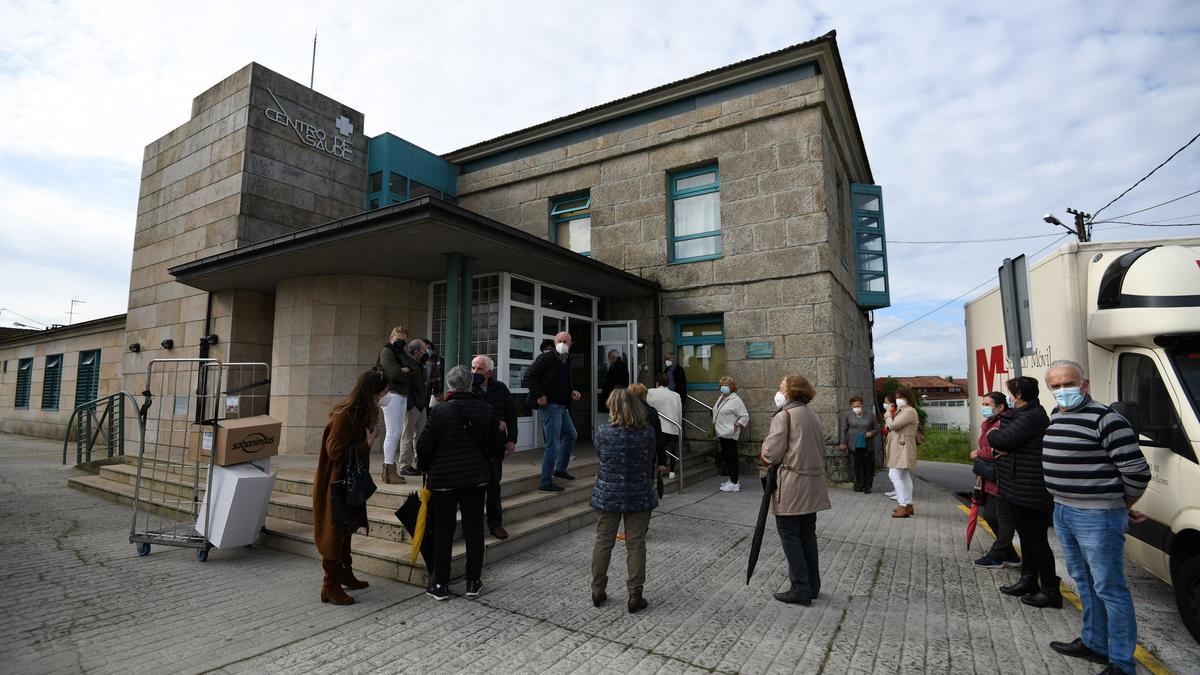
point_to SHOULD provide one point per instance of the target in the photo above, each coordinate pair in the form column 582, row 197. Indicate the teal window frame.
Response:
column 87, row 381
column 24, row 383
column 52, row 382
column 681, row 341
column 861, row 219
column 674, row 193
column 564, row 210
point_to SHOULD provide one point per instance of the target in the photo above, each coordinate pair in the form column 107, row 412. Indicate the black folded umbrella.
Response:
column 761, row 525
column 407, row 514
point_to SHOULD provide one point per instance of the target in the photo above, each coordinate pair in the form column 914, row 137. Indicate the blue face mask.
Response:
column 1011, row 403
column 1068, row 397
column 987, row 411
column 725, row 390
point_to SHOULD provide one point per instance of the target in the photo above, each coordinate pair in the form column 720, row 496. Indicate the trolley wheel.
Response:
column 202, row 554
column 143, row 549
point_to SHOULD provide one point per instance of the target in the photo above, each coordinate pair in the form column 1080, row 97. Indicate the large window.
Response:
column 24, row 379
column 695, row 214
column 87, row 384
column 870, row 245
column 53, row 382
column 1141, row 383
column 700, row 350
column 571, row 222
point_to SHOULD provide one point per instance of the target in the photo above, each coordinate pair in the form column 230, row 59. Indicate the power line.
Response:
column 1185, row 145
column 972, row 241
column 1125, row 222
column 1125, row 215
column 960, row 297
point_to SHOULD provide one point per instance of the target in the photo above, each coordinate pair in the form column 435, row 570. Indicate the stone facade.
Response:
column 327, row 330
column 786, row 274
column 106, row 335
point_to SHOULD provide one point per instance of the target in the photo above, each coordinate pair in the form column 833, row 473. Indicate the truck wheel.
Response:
column 1186, row 581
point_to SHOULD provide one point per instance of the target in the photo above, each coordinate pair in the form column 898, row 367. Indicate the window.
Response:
column 571, row 222
column 870, row 249
column 52, row 382
column 700, row 349
column 375, row 181
column 1156, row 419
column 87, row 384
column 695, row 215
column 24, row 378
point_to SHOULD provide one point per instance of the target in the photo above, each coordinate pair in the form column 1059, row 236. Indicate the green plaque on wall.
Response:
column 760, row 350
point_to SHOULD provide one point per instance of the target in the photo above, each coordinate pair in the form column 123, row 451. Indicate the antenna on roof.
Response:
column 312, row 73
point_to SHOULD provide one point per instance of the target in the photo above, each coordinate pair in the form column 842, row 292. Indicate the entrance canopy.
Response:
column 410, row 241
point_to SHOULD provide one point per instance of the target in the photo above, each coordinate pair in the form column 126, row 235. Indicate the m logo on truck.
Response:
column 253, row 443
column 986, row 369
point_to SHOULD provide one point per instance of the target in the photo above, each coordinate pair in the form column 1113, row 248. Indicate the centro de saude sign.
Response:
column 336, row 144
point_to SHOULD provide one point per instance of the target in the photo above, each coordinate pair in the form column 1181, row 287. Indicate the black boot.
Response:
column 1044, row 598
column 1028, row 585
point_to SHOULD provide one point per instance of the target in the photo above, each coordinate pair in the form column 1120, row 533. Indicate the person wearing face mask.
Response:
column 996, row 511
column 400, row 368
column 902, row 451
column 676, row 377
column 1017, row 442
column 796, row 443
column 670, row 407
column 729, row 417
column 549, row 382
column 496, row 394
column 859, row 427
column 353, row 427
column 418, row 405
column 1095, row 472
column 616, row 374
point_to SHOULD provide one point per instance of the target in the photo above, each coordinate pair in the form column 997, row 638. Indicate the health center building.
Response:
column 730, row 218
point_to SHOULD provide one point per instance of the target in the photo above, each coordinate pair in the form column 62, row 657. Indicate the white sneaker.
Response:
column 725, row 484
column 891, row 494
column 671, row 476
column 731, row 487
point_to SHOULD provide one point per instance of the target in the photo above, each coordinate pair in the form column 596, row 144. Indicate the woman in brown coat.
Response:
column 796, row 443
column 902, row 451
column 352, row 428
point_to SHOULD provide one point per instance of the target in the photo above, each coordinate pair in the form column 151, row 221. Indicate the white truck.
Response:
column 1129, row 312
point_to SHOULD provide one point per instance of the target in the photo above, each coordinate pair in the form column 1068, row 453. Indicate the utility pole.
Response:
column 71, row 314
column 1083, row 229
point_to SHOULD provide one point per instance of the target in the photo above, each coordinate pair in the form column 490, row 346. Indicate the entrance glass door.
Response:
column 618, row 338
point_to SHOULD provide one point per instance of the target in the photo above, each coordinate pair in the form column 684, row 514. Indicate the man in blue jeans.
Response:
column 549, row 383
column 1095, row 471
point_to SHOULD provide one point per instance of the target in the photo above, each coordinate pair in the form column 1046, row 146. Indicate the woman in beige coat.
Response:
column 902, row 451
column 796, row 443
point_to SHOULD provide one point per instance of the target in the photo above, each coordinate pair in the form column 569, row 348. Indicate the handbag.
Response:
column 350, row 494
column 984, row 469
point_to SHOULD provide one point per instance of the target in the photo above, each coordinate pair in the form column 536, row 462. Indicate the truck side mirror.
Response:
column 1128, row 410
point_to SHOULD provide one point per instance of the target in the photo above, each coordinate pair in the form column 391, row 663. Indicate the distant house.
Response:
column 944, row 399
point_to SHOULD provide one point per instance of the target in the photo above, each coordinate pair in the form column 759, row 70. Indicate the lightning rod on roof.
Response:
column 313, row 71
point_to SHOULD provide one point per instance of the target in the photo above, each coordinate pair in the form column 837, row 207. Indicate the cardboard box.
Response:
column 239, row 505
column 237, row 441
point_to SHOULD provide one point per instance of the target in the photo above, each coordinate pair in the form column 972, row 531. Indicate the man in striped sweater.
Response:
column 1095, row 471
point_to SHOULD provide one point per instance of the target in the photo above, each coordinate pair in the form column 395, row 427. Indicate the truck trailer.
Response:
column 1129, row 313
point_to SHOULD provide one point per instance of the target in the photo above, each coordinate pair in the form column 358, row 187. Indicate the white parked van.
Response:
column 1129, row 312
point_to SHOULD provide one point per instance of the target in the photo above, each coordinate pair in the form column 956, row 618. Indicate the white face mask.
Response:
column 562, row 347
column 857, row 410
column 780, row 399
column 668, row 364
column 901, row 402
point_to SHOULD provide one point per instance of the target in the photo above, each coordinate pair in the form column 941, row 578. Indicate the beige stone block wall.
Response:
column 327, row 330
column 107, row 336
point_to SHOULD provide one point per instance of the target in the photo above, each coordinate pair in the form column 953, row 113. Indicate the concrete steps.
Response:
column 530, row 517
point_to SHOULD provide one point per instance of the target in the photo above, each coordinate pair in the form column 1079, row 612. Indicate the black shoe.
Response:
column 792, row 599
column 988, row 562
column 637, row 603
column 1012, row 560
column 563, row 475
column 438, row 592
column 1076, row 649
column 599, row 598
column 409, row 471
column 1113, row 670
column 473, row 588
column 1043, row 599
column 550, row 488
column 499, row 532
column 1028, row 585
column 866, row 491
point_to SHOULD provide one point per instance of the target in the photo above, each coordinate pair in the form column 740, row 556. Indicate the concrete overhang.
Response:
column 408, row 241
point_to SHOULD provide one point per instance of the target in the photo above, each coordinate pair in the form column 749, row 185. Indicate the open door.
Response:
column 620, row 339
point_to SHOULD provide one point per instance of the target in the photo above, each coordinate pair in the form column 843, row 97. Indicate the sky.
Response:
column 978, row 118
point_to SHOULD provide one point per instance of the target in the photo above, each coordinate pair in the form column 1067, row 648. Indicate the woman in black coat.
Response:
column 453, row 453
column 1017, row 442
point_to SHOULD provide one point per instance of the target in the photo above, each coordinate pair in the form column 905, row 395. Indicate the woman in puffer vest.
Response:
column 624, row 490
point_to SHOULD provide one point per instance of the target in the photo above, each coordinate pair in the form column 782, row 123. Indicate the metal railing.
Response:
column 94, row 420
column 678, row 449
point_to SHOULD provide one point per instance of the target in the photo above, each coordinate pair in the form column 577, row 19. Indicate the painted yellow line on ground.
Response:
column 1144, row 657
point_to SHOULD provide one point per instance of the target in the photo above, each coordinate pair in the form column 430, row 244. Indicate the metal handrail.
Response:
column 116, row 423
column 679, row 446
column 693, row 398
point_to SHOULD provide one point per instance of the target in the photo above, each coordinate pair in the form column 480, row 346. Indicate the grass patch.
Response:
column 946, row 445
